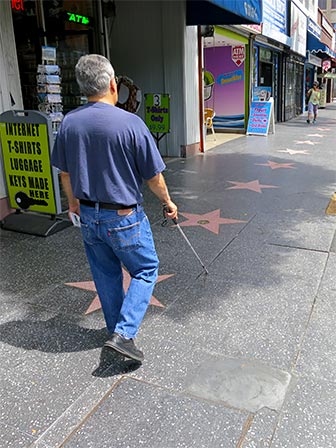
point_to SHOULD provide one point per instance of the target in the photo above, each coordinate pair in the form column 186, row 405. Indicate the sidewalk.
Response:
column 243, row 357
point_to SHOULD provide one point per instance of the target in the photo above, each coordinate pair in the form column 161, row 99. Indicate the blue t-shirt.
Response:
column 107, row 152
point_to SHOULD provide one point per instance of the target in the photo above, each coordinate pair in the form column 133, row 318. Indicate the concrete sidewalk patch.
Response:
column 243, row 384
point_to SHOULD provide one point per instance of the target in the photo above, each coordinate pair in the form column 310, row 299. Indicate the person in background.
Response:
column 104, row 154
column 313, row 96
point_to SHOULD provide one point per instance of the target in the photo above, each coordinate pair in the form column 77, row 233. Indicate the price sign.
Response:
column 157, row 112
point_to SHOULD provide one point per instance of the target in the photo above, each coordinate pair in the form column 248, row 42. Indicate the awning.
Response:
column 327, row 75
column 223, row 12
column 318, row 48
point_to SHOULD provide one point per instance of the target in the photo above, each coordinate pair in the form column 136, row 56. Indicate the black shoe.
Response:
column 308, row 121
column 124, row 346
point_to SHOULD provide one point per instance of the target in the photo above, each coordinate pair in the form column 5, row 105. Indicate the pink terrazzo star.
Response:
column 323, row 129
column 276, row 166
column 96, row 305
column 293, row 151
column 210, row 221
column 253, row 185
column 315, row 135
column 305, row 142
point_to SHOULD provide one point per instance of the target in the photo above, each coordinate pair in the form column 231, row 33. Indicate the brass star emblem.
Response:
column 210, row 221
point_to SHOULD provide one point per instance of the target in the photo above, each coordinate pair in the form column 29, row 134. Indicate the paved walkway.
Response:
column 242, row 357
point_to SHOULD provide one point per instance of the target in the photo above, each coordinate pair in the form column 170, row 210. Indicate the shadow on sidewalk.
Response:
column 58, row 336
column 52, row 336
column 112, row 363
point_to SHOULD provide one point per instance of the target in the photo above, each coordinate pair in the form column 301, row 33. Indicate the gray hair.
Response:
column 93, row 74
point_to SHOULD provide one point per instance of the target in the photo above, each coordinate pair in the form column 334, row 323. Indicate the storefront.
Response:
column 162, row 58
column 71, row 27
column 294, row 64
column 319, row 46
column 267, row 75
column 269, row 50
column 312, row 63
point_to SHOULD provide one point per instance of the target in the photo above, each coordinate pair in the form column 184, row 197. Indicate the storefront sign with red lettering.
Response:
column 17, row 5
column 238, row 54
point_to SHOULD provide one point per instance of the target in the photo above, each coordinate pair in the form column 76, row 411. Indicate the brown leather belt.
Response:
column 106, row 205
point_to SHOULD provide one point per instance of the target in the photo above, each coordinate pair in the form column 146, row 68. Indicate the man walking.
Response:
column 104, row 154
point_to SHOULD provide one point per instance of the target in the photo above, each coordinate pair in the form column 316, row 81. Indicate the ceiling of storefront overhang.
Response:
column 223, row 12
column 219, row 41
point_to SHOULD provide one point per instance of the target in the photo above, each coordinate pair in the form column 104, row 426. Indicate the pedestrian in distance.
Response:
column 105, row 154
column 313, row 99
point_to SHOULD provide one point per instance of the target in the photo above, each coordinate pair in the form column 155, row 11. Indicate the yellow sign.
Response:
column 26, row 156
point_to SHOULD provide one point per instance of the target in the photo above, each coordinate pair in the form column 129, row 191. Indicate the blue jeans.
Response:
column 111, row 241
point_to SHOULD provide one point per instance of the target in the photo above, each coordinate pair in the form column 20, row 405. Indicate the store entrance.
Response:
column 266, row 75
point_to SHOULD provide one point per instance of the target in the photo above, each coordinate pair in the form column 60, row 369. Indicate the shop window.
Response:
column 322, row 4
column 67, row 25
column 333, row 4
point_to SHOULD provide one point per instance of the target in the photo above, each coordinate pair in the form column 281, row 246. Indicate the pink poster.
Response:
column 224, row 87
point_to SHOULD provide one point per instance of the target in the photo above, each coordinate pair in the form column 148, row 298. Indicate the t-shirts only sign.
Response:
column 157, row 112
column 26, row 156
column 261, row 118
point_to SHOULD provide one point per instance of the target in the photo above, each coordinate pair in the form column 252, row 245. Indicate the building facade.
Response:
column 161, row 48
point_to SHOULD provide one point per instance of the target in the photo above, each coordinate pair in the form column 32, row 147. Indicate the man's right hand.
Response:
column 170, row 210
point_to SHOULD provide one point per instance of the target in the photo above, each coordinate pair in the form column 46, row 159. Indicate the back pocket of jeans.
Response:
column 125, row 238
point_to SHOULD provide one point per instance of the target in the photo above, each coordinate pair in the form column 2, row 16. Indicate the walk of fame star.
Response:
column 315, row 135
column 253, row 185
column 323, row 129
column 293, row 151
column 96, row 305
column 275, row 165
column 209, row 221
column 305, row 142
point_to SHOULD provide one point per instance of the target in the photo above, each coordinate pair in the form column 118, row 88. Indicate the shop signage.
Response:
column 275, row 20
column 261, row 119
column 17, row 5
column 326, row 65
column 78, row 18
column 238, row 54
column 157, row 112
column 25, row 145
column 262, row 93
column 314, row 29
column 298, row 30
column 314, row 60
column 326, row 25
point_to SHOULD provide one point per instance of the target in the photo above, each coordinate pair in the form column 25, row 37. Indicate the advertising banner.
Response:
column 261, row 119
column 224, row 86
column 298, row 31
column 275, row 20
column 25, row 142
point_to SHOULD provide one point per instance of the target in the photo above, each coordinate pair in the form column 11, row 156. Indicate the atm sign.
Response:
column 78, row 18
